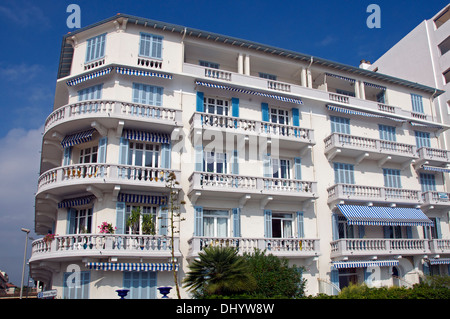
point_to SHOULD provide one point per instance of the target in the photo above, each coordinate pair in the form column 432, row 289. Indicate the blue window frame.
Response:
column 90, row 93
column 147, row 94
column 340, row 125
column 387, row 133
column 392, row 178
column 422, row 139
column 268, row 76
column 417, row 105
column 74, row 290
column 344, row 92
column 208, row 64
column 142, row 284
column 150, row 46
column 95, row 48
column 344, row 173
column 427, row 182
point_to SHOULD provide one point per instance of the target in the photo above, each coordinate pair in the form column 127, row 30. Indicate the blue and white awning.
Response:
column 344, row 110
column 77, row 138
column 425, row 125
column 340, row 77
column 131, row 266
column 74, row 202
column 251, row 92
column 129, row 71
column 364, row 263
column 436, row 169
column 89, row 76
column 142, row 199
column 146, row 136
column 375, row 86
column 384, row 216
column 439, row 261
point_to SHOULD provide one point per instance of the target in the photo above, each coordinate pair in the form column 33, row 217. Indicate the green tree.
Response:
column 219, row 271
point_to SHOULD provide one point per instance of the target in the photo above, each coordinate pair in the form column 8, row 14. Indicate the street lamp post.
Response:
column 27, row 231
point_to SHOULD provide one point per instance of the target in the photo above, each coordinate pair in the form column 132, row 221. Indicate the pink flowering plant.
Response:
column 49, row 238
column 106, row 228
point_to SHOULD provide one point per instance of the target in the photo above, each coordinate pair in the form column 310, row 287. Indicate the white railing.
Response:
column 435, row 154
column 369, row 144
column 108, row 108
column 251, row 184
column 245, row 126
column 104, row 245
column 339, row 98
column 278, row 86
column 277, row 246
column 217, row 74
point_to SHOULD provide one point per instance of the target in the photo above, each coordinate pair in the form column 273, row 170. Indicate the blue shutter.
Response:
column 200, row 105
column 409, row 232
column 237, row 222
column 123, row 151
column 163, row 220
column 67, row 155
column 298, row 168
column 71, row 215
column 120, row 217
column 334, row 278
column 267, row 223
column 438, row 227
column 199, row 160
column 235, row 163
column 335, row 226
column 265, row 112
column 165, row 155
column 387, row 230
column 102, row 143
column 362, row 231
column 198, row 221
column 366, row 275
column 300, row 225
column 295, row 117
column 235, row 107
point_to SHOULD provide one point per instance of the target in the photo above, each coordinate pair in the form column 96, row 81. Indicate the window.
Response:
column 145, row 211
column 73, row 289
column 417, row 105
column 95, row 48
column 142, row 284
column 83, row 221
column 144, row 154
column 147, row 94
column 340, row 125
column 151, row 46
column 391, row 178
column 444, row 46
column 442, row 18
column 216, row 106
column 90, row 93
column 345, row 230
column 446, row 75
column 215, row 223
column 216, row 162
column 344, row 173
column 279, row 116
column 281, row 168
column 422, row 139
column 282, row 225
column 393, row 232
column 88, row 155
column 387, row 133
column 344, row 92
column 207, row 64
column 427, row 182
column 268, row 76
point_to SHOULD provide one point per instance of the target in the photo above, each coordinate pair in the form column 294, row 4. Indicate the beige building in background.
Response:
column 339, row 169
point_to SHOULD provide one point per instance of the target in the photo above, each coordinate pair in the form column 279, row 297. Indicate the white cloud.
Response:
column 19, row 158
column 24, row 14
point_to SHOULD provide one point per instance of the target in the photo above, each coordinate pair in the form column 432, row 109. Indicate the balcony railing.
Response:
column 381, row 246
column 363, row 193
column 104, row 245
column 245, row 126
column 433, row 198
column 112, row 108
column 251, row 184
column 294, row 247
column 103, row 173
column 434, row 155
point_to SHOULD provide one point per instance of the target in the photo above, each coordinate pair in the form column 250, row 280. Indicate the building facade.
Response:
column 339, row 169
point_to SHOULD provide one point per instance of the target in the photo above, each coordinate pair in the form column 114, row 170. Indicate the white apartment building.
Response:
column 339, row 169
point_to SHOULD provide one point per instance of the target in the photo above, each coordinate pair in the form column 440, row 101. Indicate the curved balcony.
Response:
column 103, row 246
column 286, row 247
column 70, row 178
column 433, row 156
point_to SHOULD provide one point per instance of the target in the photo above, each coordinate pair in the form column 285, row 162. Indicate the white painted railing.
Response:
column 217, row 74
column 435, row 154
column 104, row 245
column 277, row 246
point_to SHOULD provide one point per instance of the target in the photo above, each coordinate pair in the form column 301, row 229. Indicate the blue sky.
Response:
column 31, row 40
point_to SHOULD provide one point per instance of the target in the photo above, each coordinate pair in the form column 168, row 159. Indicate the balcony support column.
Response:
column 240, row 63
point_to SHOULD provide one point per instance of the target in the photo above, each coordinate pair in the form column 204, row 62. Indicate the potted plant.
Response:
column 107, row 228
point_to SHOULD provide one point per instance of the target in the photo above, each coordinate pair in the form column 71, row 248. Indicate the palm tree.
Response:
column 219, row 270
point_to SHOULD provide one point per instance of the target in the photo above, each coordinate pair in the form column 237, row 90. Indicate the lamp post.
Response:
column 27, row 231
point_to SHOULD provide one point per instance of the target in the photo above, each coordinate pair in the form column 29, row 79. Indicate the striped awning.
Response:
column 364, row 263
column 384, row 216
column 77, row 138
column 425, row 125
column 129, row 71
column 251, row 92
column 439, row 261
column 146, row 136
column 142, row 199
column 436, row 169
column 89, row 76
column 131, row 266
column 375, row 86
column 340, row 77
column 344, row 110
column 78, row 201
